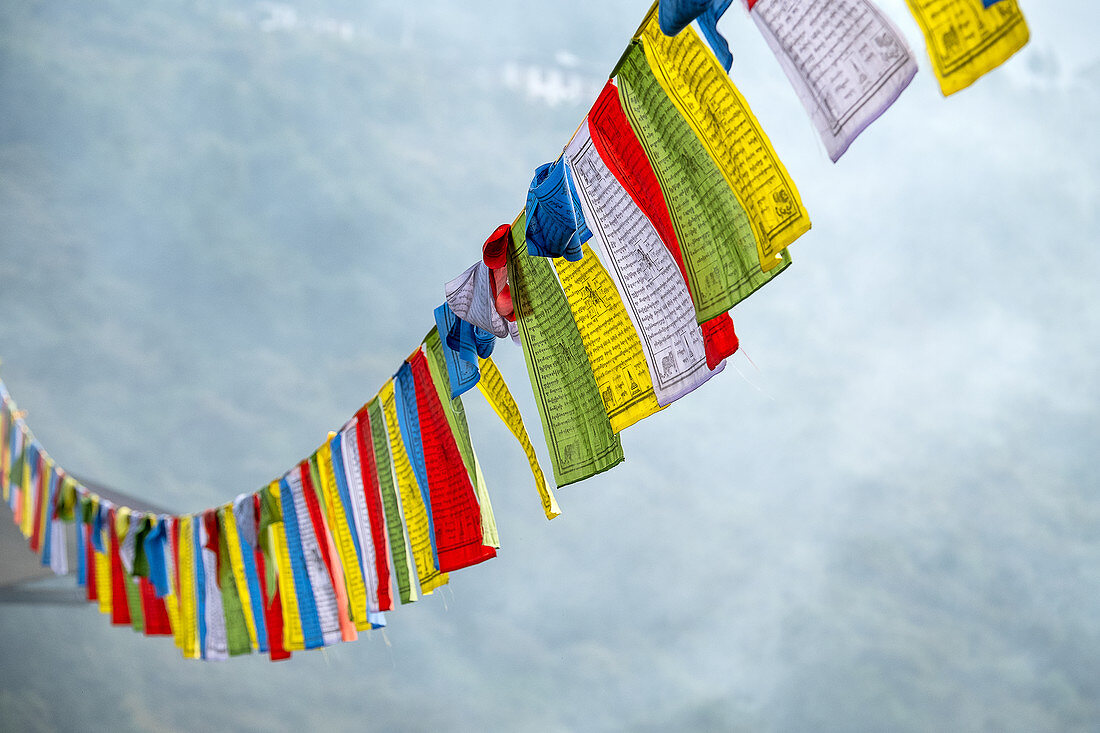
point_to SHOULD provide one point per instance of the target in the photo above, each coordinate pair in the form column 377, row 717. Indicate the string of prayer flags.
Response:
column 574, row 421
column 846, row 60
column 675, row 15
column 494, row 254
column 968, row 38
column 555, row 224
column 666, row 209
column 622, row 153
column 731, row 135
column 649, row 284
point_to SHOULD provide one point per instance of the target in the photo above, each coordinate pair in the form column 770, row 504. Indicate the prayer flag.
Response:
column 578, row 432
column 968, row 38
column 845, row 59
column 722, row 121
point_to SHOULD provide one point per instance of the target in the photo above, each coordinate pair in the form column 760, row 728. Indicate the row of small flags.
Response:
column 667, row 208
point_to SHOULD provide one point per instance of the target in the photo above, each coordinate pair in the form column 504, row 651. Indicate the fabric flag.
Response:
column 28, row 486
column 555, row 224
column 40, row 500
column 121, row 527
column 140, row 527
column 347, row 474
column 359, row 454
column 644, row 273
column 408, row 423
column 16, row 471
column 675, row 15
column 578, row 432
column 241, row 549
column 721, row 119
column 301, row 627
column 463, row 373
column 126, row 522
column 412, row 503
column 239, row 630
column 494, row 253
column 622, row 153
column 315, row 492
column 471, row 297
column 5, row 439
column 613, row 347
column 845, row 59
column 342, row 558
column 968, row 38
column 317, row 579
column 201, row 590
column 189, row 637
column 84, row 517
column 47, row 512
column 715, row 234
column 456, row 515
column 404, row 571
column 455, row 413
column 154, row 613
column 120, row 608
column 271, row 538
column 171, row 562
column 80, row 530
column 154, row 546
column 469, row 341
column 497, row 394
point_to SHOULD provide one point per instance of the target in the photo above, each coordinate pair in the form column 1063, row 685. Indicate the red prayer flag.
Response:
column 456, row 515
column 369, row 473
column 120, row 606
column 40, row 486
column 153, row 610
column 625, row 157
column 89, row 564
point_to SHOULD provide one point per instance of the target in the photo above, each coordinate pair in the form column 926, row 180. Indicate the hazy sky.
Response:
column 225, row 224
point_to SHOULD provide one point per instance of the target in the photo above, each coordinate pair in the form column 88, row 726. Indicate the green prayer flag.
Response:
column 714, row 232
column 394, row 524
column 236, row 628
column 574, row 420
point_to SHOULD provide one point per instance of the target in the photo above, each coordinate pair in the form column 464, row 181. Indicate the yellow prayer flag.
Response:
column 966, row 39
column 412, row 504
column 189, row 623
column 497, row 394
column 706, row 97
column 613, row 347
column 341, row 535
column 26, row 513
column 103, row 582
